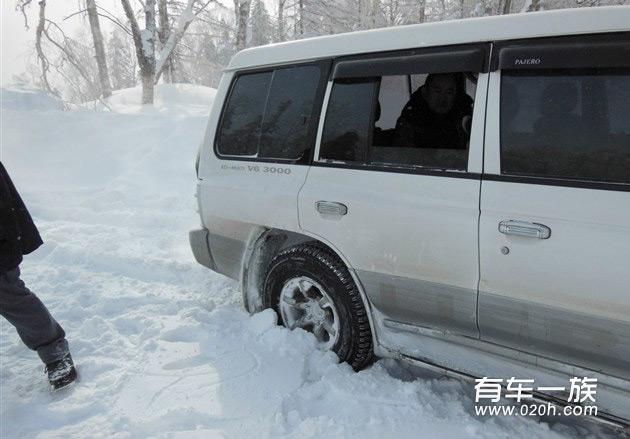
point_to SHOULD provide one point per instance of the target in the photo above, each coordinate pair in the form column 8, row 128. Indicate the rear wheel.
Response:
column 310, row 288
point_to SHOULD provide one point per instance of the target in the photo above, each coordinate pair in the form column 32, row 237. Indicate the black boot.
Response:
column 61, row 372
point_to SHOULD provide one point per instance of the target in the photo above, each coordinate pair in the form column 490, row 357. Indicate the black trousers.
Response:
column 34, row 324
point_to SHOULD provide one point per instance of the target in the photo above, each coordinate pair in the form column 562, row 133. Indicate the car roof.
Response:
column 482, row 29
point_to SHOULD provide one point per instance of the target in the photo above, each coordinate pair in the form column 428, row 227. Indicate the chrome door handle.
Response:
column 525, row 229
column 331, row 208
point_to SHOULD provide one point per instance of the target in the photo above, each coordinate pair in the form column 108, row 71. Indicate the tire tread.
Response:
column 361, row 352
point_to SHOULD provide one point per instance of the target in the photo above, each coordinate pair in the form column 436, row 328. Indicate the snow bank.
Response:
column 27, row 99
column 162, row 345
column 182, row 99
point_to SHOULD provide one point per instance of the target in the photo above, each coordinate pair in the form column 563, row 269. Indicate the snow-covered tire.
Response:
column 323, row 269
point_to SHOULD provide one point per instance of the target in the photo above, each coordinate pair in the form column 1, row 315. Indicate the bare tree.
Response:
column 422, row 4
column 281, row 23
column 70, row 53
column 99, row 48
column 162, row 45
column 534, row 6
column 374, row 14
column 152, row 64
column 187, row 16
column 241, row 11
column 301, row 17
column 45, row 65
column 144, row 42
column 121, row 59
column 164, row 31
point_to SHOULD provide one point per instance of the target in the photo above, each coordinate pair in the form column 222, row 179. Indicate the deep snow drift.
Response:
column 162, row 345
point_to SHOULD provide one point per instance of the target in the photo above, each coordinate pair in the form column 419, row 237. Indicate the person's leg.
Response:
column 36, row 327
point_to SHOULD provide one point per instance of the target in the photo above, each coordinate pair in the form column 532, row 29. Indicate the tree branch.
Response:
column 185, row 19
column 117, row 23
column 45, row 65
column 76, row 13
column 69, row 55
column 135, row 29
column 113, row 19
column 22, row 5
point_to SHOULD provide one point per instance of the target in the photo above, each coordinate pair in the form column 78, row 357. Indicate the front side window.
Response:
column 408, row 119
column 433, row 125
column 271, row 115
column 566, row 123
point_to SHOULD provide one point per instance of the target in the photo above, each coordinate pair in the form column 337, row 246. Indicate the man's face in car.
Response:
column 439, row 93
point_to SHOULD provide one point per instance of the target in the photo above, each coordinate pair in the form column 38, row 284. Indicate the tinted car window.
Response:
column 286, row 125
column 562, row 123
column 348, row 120
column 239, row 133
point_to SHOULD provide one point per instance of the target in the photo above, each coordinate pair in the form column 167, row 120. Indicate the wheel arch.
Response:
column 264, row 244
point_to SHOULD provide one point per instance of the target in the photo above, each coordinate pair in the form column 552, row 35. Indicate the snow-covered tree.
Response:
column 99, row 48
column 164, row 31
column 260, row 24
column 67, row 65
column 241, row 18
column 121, row 59
column 281, row 20
column 150, row 62
column 144, row 42
column 193, row 40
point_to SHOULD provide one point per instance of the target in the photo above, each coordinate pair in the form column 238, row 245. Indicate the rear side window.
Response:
column 286, row 125
column 271, row 115
column 566, row 123
column 242, row 119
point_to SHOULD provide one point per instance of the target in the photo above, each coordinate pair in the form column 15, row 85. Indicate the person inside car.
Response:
column 437, row 115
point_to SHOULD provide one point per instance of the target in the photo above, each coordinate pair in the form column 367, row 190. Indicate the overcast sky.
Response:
column 14, row 41
column 18, row 43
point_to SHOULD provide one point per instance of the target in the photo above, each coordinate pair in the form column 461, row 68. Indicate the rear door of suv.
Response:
column 404, row 214
column 555, row 201
column 260, row 154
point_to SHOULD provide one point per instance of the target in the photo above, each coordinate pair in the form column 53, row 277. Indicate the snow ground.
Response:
column 162, row 345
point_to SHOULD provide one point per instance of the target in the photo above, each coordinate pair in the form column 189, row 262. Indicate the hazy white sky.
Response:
column 15, row 40
column 18, row 43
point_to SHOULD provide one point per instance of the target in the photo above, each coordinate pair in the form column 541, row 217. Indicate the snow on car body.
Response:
column 505, row 257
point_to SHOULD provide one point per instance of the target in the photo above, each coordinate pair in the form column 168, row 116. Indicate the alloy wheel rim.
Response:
column 305, row 304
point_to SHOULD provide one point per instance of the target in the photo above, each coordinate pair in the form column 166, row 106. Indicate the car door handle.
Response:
column 525, row 229
column 331, row 208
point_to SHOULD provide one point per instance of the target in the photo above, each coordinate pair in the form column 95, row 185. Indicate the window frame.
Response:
column 423, row 54
column 324, row 66
column 564, row 52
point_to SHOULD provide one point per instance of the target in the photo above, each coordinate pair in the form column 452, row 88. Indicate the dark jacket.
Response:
column 18, row 234
column 418, row 126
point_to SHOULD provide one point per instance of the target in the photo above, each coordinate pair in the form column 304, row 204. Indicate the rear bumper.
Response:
column 201, row 248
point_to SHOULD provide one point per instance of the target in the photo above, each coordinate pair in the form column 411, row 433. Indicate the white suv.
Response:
column 456, row 194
